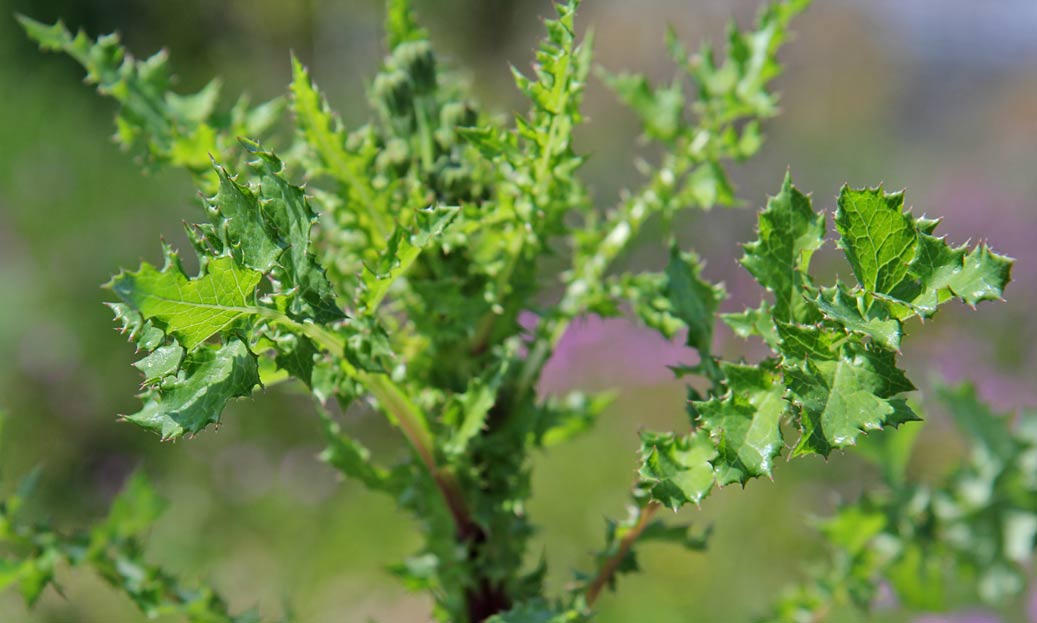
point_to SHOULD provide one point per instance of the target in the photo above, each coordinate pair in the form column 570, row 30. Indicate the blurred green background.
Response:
column 938, row 96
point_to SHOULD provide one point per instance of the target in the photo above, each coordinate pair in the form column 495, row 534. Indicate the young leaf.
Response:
column 194, row 398
column 677, row 470
column 789, row 232
column 744, row 425
column 196, row 309
column 878, row 238
column 162, row 126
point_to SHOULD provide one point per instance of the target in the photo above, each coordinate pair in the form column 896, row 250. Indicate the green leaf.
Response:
column 401, row 251
column 559, row 419
column 896, row 257
column 878, row 238
column 677, row 470
column 287, row 220
column 660, row 110
column 319, row 126
column 758, row 322
column 693, row 300
column 851, row 391
column 745, row 424
column 162, row 362
column 677, row 299
column 32, row 574
column 466, row 413
column 239, row 221
column 788, row 234
column 351, row 458
column 36, row 574
column 983, row 276
column 141, row 332
column 158, row 124
column 192, row 309
column 401, row 25
column 132, row 513
column 325, row 139
column 209, row 378
column 854, row 313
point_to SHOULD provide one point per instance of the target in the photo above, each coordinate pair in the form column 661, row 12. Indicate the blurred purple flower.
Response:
column 607, row 352
column 963, row 617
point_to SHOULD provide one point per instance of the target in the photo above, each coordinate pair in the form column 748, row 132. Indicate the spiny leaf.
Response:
column 854, row 313
column 164, row 127
column 850, row 391
column 132, row 512
column 324, row 137
column 694, row 300
column 209, row 378
column 241, row 225
column 559, row 419
column 466, row 413
column 897, row 258
column 288, row 219
column 141, row 332
column 660, row 110
column 744, row 424
column 677, row 470
column 113, row 550
column 192, row 309
column 402, row 249
column 878, row 238
column 677, row 299
column 162, row 362
column 758, row 322
column 789, row 232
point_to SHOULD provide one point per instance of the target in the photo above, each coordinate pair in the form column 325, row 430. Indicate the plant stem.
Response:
column 403, row 413
column 621, row 227
column 611, row 564
column 408, row 417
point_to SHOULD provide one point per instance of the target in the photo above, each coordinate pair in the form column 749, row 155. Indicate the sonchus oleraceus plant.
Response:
column 398, row 275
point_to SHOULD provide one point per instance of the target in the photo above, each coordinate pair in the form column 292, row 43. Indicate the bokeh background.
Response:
column 938, row 96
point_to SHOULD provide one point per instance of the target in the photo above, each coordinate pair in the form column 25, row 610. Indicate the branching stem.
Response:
column 402, row 412
column 611, row 564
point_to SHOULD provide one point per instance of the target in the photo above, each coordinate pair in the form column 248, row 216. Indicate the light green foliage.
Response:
column 193, row 310
column 968, row 537
column 399, row 275
column 677, row 470
column 112, row 549
column 159, row 125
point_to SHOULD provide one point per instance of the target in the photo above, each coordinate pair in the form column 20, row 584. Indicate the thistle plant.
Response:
column 396, row 264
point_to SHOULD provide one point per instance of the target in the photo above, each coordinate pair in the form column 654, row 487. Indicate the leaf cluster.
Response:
column 113, row 548
column 967, row 538
column 403, row 264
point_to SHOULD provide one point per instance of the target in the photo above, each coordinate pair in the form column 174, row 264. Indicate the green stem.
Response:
column 624, row 224
column 425, row 139
column 401, row 411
